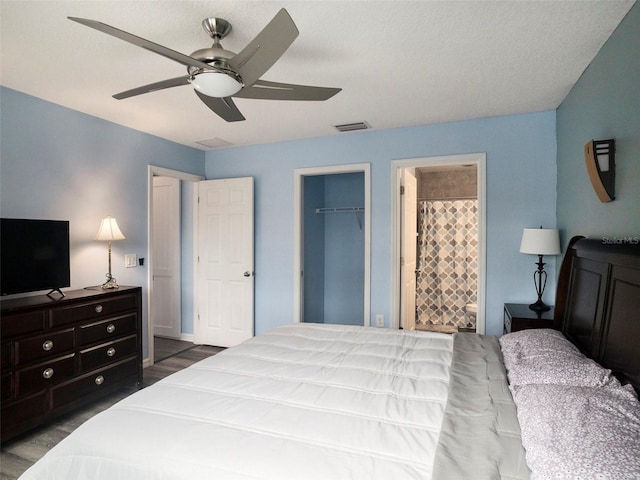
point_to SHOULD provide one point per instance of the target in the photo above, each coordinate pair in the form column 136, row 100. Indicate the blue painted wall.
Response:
column 604, row 103
column 521, row 192
column 58, row 163
column 61, row 164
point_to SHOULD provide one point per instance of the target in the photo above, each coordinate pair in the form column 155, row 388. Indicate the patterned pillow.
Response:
column 574, row 432
column 546, row 356
column 535, row 341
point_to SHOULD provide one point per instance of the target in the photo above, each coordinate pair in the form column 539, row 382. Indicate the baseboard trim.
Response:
column 187, row 337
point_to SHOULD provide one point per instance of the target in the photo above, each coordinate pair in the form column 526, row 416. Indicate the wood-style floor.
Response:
column 168, row 347
column 19, row 454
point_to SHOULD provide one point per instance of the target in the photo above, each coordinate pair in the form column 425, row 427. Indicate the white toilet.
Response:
column 472, row 310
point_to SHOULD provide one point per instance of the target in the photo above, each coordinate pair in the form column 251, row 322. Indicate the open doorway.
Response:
column 439, row 243
column 332, row 245
column 446, row 292
column 170, row 267
column 333, row 279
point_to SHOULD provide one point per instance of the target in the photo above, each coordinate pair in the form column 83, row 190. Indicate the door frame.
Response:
column 298, row 237
column 152, row 171
column 405, row 293
column 478, row 159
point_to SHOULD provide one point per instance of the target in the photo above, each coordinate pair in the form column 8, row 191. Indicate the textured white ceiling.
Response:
column 399, row 63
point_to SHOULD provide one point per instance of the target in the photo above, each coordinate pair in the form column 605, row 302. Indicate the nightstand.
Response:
column 518, row 316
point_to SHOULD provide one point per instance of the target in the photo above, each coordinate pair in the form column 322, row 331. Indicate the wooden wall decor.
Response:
column 599, row 156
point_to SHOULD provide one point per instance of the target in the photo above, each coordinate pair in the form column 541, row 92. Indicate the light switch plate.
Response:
column 130, row 260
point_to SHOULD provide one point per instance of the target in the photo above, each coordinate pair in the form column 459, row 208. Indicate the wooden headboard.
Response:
column 598, row 303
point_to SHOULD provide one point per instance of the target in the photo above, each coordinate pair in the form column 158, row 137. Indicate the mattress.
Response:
column 308, row 401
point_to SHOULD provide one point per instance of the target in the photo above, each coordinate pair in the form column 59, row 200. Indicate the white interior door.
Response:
column 225, row 262
column 409, row 219
column 165, row 307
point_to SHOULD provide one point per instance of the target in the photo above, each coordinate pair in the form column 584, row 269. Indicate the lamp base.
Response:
column 110, row 284
column 539, row 306
column 540, row 281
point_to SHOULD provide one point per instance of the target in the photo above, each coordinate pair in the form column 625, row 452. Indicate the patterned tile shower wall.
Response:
column 447, row 261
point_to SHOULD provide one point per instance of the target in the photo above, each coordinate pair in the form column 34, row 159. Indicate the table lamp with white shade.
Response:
column 540, row 241
column 109, row 231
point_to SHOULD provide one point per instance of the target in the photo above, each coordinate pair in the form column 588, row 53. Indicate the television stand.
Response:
column 61, row 353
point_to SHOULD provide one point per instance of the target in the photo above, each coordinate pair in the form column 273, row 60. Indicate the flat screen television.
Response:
column 34, row 255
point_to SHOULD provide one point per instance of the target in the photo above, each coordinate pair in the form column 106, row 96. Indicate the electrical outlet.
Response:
column 379, row 320
column 130, row 260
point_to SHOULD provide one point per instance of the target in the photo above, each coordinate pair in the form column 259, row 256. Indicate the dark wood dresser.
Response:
column 63, row 352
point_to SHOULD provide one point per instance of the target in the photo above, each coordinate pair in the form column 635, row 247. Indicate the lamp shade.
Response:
column 540, row 241
column 109, row 230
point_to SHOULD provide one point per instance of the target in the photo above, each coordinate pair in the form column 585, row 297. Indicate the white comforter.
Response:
column 301, row 402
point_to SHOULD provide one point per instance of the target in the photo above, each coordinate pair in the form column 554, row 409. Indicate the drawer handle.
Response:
column 98, row 308
column 48, row 373
column 111, row 328
column 111, row 352
column 99, row 380
column 48, row 345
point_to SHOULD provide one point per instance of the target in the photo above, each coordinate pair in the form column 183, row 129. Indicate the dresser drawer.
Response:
column 92, row 310
column 106, row 353
column 58, row 354
column 6, row 355
column 93, row 383
column 44, row 375
column 6, row 386
column 45, row 346
column 21, row 415
column 15, row 324
column 106, row 329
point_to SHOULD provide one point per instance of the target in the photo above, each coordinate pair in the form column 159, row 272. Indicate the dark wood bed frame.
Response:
column 598, row 303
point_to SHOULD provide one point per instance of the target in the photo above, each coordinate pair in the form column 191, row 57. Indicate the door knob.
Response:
column 247, row 274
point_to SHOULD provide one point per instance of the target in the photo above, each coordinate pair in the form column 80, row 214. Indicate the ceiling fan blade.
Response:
column 286, row 91
column 223, row 107
column 265, row 49
column 152, row 87
column 141, row 42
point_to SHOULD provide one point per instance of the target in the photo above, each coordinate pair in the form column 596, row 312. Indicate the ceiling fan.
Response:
column 218, row 74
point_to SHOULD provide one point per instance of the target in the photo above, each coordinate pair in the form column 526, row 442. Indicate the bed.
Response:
column 308, row 401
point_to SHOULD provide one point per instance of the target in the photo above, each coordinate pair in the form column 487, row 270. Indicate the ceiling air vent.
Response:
column 350, row 127
column 214, row 143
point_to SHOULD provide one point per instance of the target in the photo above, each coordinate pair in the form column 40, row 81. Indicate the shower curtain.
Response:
column 447, row 262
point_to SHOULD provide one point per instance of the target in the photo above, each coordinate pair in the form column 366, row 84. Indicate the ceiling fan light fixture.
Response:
column 216, row 84
column 217, row 74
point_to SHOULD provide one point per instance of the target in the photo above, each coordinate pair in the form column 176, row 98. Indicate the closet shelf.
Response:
column 355, row 210
column 340, row 210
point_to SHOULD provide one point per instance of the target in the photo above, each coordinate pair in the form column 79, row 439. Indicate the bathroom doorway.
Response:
column 446, row 219
column 446, row 295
